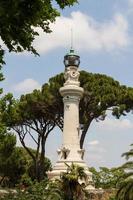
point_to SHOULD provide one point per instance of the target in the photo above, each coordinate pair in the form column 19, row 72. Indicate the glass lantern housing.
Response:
column 71, row 59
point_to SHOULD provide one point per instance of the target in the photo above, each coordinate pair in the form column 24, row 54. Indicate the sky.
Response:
column 103, row 37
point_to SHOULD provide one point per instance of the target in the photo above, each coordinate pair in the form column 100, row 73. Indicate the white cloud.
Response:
column 115, row 125
column 88, row 33
column 94, row 142
column 27, row 85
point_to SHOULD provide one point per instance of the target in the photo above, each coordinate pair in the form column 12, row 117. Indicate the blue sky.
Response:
column 102, row 36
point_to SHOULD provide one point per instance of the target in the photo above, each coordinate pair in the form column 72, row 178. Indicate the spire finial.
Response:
column 71, row 38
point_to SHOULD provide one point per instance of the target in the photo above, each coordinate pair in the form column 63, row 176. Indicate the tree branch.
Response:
column 84, row 132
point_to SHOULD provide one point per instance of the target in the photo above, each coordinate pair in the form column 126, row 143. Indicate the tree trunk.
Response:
column 42, row 159
column 2, row 179
column 37, row 169
column 84, row 132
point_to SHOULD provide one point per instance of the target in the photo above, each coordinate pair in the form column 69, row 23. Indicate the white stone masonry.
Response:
column 72, row 94
column 70, row 151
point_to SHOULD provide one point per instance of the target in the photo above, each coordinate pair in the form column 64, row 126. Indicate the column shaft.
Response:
column 71, row 122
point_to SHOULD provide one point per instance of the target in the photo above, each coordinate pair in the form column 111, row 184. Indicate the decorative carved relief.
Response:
column 67, row 107
column 81, row 152
column 65, row 152
column 71, row 75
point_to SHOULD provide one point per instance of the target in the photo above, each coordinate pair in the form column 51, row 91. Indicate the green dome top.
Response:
column 71, row 53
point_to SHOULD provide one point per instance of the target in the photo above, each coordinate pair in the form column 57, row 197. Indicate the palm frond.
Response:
column 129, row 191
column 128, row 154
column 128, row 175
column 128, row 165
column 124, row 190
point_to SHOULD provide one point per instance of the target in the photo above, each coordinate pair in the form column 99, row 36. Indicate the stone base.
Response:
column 60, row 167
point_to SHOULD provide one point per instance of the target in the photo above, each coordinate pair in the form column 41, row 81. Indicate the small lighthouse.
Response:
column 71, row 92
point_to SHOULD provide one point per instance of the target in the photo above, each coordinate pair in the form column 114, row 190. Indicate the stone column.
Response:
column 72, row 94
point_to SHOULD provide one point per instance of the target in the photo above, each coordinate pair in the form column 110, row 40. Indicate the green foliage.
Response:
column 66, row 3
column 104, row 92
column 54, row 190
column 101, row 93
column 36, row 191
column 16, row 165
column 107, row 178
column 67, row 188
column 31, row 170
column 20, row 20
column 74, row 173
column 29, row 176
column 125, row 191
column 70, row 182
column 30, row 113
column 33, row 111
column 12, row 162
column 112, row 198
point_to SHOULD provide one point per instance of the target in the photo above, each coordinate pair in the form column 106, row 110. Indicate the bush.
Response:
column 37, row 191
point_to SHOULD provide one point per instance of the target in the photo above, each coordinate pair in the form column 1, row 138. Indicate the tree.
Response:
column 71, row 183
column 31, row 113
column 125, row 191
column 38, row 190
column 29, row 175
column 19, row 21
column 101, row 94
column 12, row 161
column 69, row 186
column 16, row 165
column 106, row 178
column 42, row 110
column 1, row 63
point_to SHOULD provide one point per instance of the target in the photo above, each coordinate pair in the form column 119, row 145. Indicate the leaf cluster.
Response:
column 107, row 178
column 20, row 21
column 12, row 160
column 125, row 191
column 63, row 189
column 30, row 116
column 30, row 107
column 101, row 94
